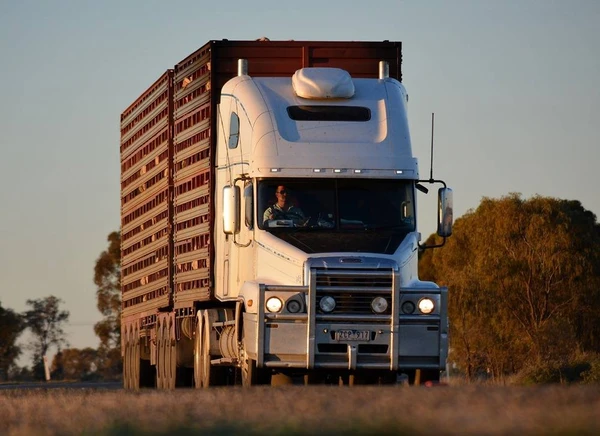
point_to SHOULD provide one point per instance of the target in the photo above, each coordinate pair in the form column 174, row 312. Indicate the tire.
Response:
column 198, row 333
column 254, row 376
column 134, row 382
column 171, row 360
column 126, row 367
column 206, row 374
column 161, row 363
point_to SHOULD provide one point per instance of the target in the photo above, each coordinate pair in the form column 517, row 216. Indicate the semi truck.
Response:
column 268, row 221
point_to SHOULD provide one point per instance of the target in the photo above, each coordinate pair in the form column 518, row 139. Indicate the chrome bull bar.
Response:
column 272, row 352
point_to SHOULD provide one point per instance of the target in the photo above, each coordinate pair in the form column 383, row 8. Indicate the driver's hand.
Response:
column 305, row 222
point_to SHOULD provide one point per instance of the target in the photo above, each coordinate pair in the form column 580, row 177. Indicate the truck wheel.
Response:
column 198, row 351
column 134, row 382
column 126, row 368
column 249, row 373
column 252, row 375
column 162, row 361
column 171, row 362
column 204, row 373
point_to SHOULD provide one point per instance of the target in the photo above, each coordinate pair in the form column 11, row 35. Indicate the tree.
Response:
column 75, row 364
column 45, row 320
column 107, row 277
column 11, row 326
column 523, row 278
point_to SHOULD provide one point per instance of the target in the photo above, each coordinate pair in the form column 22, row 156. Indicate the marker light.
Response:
column 274, row 304
column 399, row 172
column 408, row 307
column 337, row 170
column 293, row 306
column 327, row 304
column 274, row 170
column 426, row 305
column 357, row 171
column 316, row 170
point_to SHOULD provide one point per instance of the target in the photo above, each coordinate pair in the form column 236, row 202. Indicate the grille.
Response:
column 354, row 290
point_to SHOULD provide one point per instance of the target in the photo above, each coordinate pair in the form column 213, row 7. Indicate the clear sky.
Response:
column 513, row 84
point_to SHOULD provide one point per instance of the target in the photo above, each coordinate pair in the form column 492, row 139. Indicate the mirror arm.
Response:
column 432, row 181
column 242, row 177
column 425, row 247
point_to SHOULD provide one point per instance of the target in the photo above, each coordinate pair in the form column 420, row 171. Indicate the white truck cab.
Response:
column 316, row 235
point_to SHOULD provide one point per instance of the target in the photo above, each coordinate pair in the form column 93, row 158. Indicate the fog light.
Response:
column 426, row 305
column 293, row 306
column 379, row 304
column 274, row 304
column 408, row 307
column 327, row 304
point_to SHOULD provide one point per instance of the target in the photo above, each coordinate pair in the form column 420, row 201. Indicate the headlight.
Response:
column 293, row 306
column 274, row 304
column 327, row 304
column 379, row 304
column 426, row 305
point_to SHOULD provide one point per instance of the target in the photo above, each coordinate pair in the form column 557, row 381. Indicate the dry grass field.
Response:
column 298, row 410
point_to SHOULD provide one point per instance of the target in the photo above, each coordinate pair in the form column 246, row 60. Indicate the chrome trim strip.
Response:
column 395, row 322
column 310, row 326
column 260, row 326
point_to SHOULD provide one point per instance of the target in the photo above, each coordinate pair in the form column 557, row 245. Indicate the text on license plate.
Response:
column 352, row 335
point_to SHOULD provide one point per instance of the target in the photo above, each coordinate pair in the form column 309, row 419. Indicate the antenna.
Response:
column 431, row 168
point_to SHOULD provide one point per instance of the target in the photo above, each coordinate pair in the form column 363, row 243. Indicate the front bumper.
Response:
column 396, row 341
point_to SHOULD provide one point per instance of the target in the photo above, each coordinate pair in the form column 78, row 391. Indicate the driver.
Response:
column 283, row 209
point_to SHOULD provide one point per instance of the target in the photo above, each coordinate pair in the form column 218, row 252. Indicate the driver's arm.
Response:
column 267, row 214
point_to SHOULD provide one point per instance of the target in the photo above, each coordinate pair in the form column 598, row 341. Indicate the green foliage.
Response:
column 580, row 368
column 11, row 326
column 45, row 320
column 107, row 277
column 524, row 284
column 592, row 374
column 75, row 364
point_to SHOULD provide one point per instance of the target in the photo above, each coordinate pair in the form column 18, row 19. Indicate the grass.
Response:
column 297, row 410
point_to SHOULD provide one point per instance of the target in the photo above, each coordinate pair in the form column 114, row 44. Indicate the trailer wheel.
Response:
column 126, row 367
column 171, row 361
column 163, row 361
column 134, row 352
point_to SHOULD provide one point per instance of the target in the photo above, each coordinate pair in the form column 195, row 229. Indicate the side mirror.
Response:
column 231, row 210
column 445, row 212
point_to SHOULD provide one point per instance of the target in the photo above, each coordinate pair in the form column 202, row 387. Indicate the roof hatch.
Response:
column 322, row 83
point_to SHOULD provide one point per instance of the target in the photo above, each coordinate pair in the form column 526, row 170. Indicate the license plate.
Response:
column 352, row 335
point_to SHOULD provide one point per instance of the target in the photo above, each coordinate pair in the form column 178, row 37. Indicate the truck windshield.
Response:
column 334, row 206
